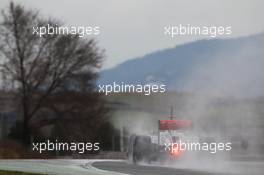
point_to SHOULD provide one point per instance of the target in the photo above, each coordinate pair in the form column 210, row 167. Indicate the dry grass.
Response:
column 10, row 149
column 14, row 173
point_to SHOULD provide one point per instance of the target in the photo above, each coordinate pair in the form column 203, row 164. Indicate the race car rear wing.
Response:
column 174, row 124
column 169, row 125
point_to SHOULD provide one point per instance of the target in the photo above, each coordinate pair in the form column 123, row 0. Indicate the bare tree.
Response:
column 38, row 67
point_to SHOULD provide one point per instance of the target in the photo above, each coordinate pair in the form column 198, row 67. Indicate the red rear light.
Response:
column 175, row 151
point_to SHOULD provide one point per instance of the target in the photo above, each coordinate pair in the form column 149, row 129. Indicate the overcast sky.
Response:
column 133, row 28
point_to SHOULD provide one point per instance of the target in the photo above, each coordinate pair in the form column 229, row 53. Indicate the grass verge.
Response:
column 15, row 173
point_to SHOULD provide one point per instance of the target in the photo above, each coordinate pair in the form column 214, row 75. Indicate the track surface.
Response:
column 123, row 167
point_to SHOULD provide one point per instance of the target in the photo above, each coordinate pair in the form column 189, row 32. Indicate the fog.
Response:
column 227, row 106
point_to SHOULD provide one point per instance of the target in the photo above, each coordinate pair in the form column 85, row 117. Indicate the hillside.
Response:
column 218, row 66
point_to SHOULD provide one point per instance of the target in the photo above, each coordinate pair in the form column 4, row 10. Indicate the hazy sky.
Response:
column 134, row 28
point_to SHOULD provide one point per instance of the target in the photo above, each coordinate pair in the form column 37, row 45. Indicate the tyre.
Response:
column 141, row 149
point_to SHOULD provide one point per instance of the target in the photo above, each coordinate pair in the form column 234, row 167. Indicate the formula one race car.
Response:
column 160, row 147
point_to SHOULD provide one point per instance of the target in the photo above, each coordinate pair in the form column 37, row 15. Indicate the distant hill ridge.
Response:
column 204, row 65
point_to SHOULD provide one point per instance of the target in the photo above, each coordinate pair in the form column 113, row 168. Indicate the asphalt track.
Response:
column 121, row 167
column 126, row 168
